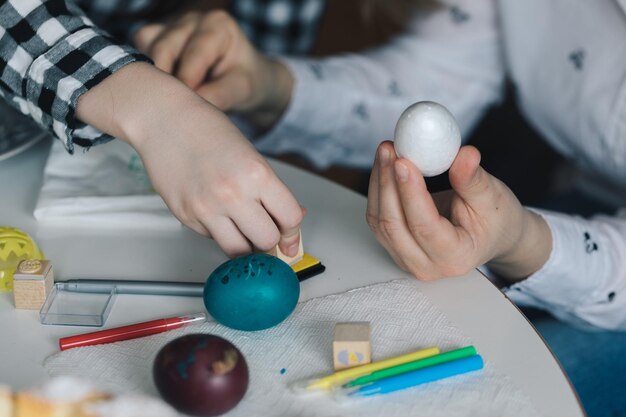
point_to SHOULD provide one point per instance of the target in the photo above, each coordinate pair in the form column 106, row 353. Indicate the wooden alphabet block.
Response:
column 32, row 282
column 289, row 260
column 351, row 345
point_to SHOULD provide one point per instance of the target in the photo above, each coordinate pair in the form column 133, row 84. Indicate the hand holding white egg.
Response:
column 450, row 232
column 427, row 134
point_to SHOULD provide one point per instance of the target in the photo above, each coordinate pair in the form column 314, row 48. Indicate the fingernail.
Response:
column 384, row 157
column 402, row 172
column 292, row 250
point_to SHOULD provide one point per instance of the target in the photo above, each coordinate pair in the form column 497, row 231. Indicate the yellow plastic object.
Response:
column 307, row 262
column 15, row 246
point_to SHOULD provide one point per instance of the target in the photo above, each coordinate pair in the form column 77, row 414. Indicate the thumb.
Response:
column 467, row 178
column 290, row 241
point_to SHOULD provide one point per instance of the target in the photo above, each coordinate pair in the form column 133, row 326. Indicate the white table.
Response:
column 334, row 231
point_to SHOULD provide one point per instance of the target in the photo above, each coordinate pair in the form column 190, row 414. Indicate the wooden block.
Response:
column 351, row 345
column 32, row 282
column 289, row 260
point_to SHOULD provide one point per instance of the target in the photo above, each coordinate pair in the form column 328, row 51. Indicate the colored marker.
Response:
column 413, row 366
column 340, row 377
column 132, row 331
column 421, row 376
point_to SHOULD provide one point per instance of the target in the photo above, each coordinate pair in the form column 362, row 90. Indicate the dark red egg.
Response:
column 201, row 374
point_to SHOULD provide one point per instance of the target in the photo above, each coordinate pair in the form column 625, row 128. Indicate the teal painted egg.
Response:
column 252, row 292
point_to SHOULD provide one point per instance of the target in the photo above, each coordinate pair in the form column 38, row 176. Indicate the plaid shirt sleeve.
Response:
column 50, row 54
column 279, row 26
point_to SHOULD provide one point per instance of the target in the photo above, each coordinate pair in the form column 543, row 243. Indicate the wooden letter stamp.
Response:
column 351, row 345
column 32, row 282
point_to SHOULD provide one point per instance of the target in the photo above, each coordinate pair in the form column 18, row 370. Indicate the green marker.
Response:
column 412, row 366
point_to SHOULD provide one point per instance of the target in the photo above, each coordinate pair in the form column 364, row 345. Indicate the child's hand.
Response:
column 449, row 233
column 211, row 55
column 209, row 175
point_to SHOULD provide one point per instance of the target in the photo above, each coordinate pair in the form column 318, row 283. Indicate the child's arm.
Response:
column 209, row 175
column 449, row 233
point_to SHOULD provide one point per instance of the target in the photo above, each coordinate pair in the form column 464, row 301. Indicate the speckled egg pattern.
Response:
column 252, row 292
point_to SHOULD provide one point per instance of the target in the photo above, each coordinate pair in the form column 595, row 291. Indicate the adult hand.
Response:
column 209, row 175
column 449, row 233
column 212, row 56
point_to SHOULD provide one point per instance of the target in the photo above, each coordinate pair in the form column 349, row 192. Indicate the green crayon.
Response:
column 412, row 366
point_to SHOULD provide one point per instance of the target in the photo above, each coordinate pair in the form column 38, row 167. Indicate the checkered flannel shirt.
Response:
column 51, row 52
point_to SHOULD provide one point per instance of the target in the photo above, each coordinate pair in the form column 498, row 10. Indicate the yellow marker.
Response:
column 338, row 378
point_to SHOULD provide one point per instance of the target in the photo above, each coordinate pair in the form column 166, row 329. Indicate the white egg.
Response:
column 427, row 134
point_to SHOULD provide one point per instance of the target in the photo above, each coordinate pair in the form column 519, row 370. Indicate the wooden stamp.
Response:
column 32, row 282
column 351, row 345
column 289, row 260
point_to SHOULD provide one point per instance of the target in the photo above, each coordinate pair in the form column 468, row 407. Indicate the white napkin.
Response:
column 104, row 186
column 402, row 320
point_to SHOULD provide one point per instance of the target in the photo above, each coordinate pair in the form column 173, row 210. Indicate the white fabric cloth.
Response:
column 402, row 320
column 567, row 62
column 106, row 186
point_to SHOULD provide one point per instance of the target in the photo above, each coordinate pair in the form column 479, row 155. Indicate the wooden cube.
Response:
column 351, row 345
column 32, row 282
column 289, row 260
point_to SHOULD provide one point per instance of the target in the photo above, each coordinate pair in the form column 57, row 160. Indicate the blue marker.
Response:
column 421, row 376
